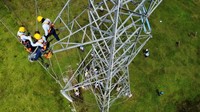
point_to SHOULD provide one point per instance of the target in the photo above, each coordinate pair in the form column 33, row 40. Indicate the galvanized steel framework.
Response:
column 117, row 30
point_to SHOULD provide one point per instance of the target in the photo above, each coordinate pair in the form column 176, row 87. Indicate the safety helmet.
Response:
column 39, row 18
column 22, row 29
column 37, row 36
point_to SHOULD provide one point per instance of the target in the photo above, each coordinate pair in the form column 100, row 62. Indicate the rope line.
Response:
column 59, row 65
column 36, row 14
column 15, row 14
column 8, row 29
column 50, row 74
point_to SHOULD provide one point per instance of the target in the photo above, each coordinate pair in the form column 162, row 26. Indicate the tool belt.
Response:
column 51, row 26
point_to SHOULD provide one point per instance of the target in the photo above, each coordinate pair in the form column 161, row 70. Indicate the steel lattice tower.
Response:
column 116, row 30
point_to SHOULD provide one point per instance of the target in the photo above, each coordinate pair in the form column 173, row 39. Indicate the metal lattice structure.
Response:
column 116, row 30
column 112, row 33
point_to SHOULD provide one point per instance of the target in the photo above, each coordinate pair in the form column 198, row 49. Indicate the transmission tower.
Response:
column 115, row 30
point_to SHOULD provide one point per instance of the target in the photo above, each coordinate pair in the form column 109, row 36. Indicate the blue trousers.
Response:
column 37, row 54
column 53, row 32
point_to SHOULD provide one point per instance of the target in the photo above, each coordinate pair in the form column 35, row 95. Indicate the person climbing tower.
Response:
column 25, row 40
column 40, row 47
column 48, row 27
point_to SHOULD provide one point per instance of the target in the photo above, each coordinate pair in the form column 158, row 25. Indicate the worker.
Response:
column 48, row 27
column 25, row 40
column 76, row 91
column 146, row 53
column 40, row 47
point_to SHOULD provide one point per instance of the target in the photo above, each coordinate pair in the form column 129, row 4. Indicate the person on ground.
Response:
column 48, row 27
column 161, row 93
column 146, row 53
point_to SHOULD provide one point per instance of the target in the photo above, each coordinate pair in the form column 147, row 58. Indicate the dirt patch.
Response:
column 189, row 105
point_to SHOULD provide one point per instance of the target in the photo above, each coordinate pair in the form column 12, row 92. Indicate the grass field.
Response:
column 172, row 68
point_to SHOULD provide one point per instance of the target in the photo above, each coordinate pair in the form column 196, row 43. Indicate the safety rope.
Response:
column 50, row 73
column 74, row 109
column 68, row 13
column 59, row 65
column 36, row 14
column 55, row 74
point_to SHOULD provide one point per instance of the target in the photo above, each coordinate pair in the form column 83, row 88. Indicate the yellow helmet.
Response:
column 37, row 36
column 39, row 18
column 22, row 29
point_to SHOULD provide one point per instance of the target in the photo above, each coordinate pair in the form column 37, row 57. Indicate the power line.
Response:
column 11, row 10
column 6, row 26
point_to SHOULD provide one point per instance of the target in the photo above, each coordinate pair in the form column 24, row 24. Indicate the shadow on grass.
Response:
column 189, row 105
column 159, row 93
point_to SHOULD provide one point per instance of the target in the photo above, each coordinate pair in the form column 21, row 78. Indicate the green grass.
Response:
column 25, row 86
column 171, row 69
